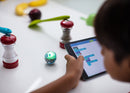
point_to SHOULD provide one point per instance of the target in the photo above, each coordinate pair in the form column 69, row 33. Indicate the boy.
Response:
column 112, row 29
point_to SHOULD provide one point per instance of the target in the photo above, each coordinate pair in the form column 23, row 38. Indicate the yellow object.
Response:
column 19, row 10
column 37, row 3
column 2, row 0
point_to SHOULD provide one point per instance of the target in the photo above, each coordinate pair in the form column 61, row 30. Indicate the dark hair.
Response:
column 112, row 27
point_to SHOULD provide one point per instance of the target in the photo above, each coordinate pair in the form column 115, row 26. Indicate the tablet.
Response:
column 91, row 51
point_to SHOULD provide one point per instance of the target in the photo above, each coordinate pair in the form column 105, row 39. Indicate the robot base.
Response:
column 10, row 65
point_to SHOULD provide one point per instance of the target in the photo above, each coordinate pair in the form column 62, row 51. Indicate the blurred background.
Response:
column 84, row 6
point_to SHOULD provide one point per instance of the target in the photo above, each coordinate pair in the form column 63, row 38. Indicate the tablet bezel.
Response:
column 71, row 52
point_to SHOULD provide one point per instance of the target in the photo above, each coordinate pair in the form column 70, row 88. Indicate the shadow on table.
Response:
column 36, row 28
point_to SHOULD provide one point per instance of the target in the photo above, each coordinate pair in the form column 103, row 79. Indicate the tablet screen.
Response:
column 93, row 60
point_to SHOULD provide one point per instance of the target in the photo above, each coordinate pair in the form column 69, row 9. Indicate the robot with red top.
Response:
column 10, row 58
column 66, row 27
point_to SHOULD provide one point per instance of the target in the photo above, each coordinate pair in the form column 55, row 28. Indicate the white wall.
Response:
column 84, row 6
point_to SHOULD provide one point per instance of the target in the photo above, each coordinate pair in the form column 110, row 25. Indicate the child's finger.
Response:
column 80, row 58
column 69, row 57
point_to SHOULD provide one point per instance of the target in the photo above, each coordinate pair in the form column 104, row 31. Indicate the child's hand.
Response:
column 74, row 68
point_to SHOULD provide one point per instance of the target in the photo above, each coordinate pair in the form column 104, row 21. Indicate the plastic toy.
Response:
column 10, row 58
column 37, row 3
column 50, row 57
column 35, row 14
column 66, row 27
column 5, row 30
column 19, row 10
column 2, row 0
column 89, row 20
column 35, row 22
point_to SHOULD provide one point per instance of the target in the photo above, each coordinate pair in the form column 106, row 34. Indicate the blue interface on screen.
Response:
column 93, row 60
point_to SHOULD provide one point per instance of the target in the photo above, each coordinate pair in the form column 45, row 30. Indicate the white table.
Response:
column 31, row 46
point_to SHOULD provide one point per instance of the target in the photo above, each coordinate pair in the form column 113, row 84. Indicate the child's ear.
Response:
column 129, row 61
column 103, row 50
column 125, row 68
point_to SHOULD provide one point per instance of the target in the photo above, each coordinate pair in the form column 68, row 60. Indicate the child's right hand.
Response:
column 74, row 68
